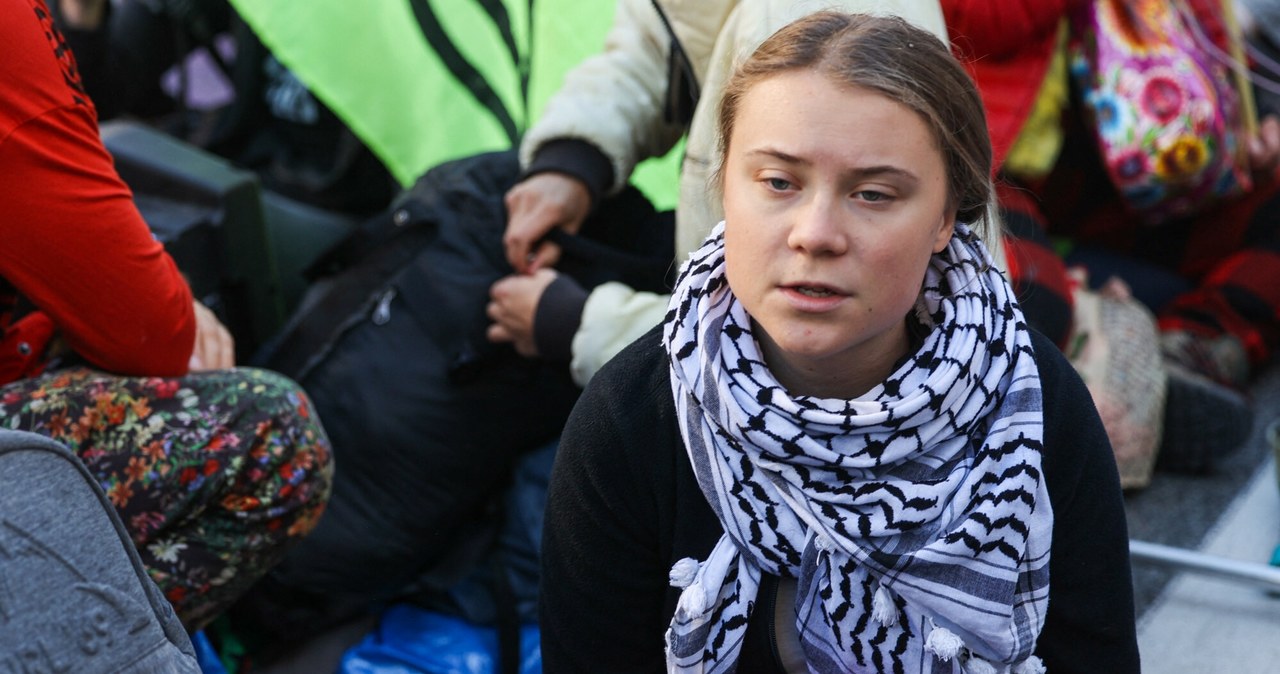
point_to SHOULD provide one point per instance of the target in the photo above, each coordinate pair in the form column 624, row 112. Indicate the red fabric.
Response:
column 73, row 243
column 1240, row 297
column 1006, row 45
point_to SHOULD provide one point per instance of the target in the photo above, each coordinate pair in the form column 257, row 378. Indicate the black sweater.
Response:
column 624, row 506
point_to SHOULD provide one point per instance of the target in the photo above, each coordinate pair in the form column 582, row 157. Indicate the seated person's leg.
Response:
column 215, row 475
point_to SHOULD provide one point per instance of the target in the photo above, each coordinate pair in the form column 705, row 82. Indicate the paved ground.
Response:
column 1180, row 510
column 1204, row 624
column 1191, row 622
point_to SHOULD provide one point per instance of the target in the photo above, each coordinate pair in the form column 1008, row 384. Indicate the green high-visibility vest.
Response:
column 422, row 82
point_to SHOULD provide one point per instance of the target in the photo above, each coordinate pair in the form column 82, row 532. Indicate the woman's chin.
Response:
column 798, row 344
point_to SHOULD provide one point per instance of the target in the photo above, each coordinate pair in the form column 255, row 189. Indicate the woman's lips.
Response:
column 812, row 291
column 812, row 297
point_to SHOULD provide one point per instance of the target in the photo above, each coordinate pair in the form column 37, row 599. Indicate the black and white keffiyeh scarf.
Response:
column 914, row 517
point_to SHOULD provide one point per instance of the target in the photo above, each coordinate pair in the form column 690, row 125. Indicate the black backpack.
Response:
column 426, row 416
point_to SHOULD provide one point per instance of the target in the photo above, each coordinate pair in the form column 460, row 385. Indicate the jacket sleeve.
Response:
column 77, row 248
column 1090, row 626
column 613, row 317
column 614, row 100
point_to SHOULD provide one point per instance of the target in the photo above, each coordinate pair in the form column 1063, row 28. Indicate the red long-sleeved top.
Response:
column 72, row 243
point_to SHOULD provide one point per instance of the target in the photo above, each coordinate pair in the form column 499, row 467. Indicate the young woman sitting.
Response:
column 844, row 450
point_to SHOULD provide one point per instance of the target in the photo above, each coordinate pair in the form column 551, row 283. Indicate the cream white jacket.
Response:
column 615, row 101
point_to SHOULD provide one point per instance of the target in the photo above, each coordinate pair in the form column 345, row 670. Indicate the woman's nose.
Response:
column 818, row 227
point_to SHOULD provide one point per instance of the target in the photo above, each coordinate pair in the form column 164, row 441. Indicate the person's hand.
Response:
column 535, row 206
column 1264, row 148
column 512, row 306
column 215, row 349
column 82, row 14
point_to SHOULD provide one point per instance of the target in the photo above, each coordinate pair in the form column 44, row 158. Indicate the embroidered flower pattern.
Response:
column 1166, row 116
column 1182, row 159
column 166, row 550
column 1130, row 166
column 1114, row 116
column 1162, row 98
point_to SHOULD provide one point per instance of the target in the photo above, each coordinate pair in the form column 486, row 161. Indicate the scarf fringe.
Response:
column 883, row 609
column 977, row 665
column 683, row 572
column 1031, row 665
column 944, row 644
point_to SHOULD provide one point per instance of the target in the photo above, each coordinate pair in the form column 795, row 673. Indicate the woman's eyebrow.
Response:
column 857, row 173
column 778, row 154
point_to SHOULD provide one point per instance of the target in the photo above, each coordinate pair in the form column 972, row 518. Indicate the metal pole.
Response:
column 1192, row 560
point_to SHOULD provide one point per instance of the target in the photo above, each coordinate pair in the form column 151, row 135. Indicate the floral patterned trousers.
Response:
column 215, row 474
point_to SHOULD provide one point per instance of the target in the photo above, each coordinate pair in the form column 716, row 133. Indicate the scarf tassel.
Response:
column 977, row 665
column 1031, row 665
column 944, row 643
column 883, row 609
column 683, row 572
column 693, row 600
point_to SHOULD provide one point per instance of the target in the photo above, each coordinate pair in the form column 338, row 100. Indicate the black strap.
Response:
column 683, row 89
column 497, row 11
column 371, row 234
column 412, row 215
column 462, row 70
column 506, row 617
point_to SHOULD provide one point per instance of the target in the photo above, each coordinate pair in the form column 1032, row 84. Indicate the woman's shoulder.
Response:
column 622, row 433
column 1059, row 381
column 639, row 373
column 628, row 403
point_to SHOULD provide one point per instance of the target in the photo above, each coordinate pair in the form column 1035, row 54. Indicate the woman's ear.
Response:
column 946, row 227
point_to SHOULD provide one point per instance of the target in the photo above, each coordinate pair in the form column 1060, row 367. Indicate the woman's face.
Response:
column 835, row 197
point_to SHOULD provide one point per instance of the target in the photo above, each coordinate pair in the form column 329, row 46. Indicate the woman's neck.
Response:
column 845, row 375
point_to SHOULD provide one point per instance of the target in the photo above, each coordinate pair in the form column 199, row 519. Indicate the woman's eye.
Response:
column 780, row 184
column 871, row 195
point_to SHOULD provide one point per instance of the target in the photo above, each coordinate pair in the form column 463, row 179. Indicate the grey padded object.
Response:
column 73, row 593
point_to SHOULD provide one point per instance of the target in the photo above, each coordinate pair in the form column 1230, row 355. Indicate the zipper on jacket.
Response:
column 379, row 300
column 382, row 311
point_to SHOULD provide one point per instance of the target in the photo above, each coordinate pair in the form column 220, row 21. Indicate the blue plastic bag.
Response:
column 411, row 640
column 206, row 655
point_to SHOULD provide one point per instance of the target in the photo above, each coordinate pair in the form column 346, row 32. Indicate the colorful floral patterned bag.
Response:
column 1171, row 117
